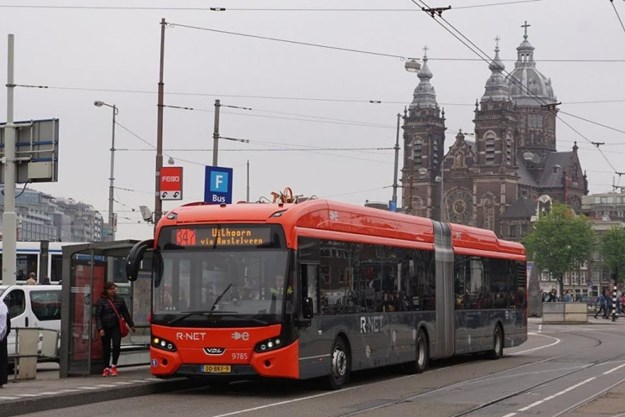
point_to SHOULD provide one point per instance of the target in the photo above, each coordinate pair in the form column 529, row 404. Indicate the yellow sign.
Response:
column 216, row 369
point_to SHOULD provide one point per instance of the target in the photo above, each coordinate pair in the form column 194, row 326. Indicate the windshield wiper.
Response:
column 218, row 299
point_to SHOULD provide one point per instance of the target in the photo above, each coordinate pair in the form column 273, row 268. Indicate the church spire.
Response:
column 424, row 95
column 496, row 86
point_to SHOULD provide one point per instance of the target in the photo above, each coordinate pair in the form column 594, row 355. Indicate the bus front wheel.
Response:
column 497, row 351
column 339, row 364
column 422, row 356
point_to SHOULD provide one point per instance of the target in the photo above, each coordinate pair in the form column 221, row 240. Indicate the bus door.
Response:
column 444, row 261
column 312, row 343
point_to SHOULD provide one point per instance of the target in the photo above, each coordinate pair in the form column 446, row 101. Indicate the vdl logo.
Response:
column 218, row 185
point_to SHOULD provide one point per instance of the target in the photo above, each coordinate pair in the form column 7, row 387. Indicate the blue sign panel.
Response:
column 218, row 185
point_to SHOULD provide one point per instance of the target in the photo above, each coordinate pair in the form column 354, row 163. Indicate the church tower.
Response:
column 495, row 170
column 533, row 96
column 424, row 137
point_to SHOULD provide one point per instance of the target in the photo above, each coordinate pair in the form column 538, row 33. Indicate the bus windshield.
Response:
column 199, row 286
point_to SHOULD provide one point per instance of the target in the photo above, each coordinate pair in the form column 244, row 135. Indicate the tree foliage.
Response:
column 613, row 252
column 559, row 242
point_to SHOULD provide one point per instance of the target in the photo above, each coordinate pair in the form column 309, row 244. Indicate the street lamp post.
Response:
column 112, row 174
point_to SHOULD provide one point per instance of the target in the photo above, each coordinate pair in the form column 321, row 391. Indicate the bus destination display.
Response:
column 223, row 236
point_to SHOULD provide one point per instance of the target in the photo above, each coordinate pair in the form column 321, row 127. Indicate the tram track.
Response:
column 500, row 399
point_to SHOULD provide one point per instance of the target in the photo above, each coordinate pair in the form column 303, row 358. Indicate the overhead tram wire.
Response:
column 618, row 16
column 222, row 9
column 593, row 122
column 302, row 117
column 270, row 38
column 488, row 60
column 310, row 149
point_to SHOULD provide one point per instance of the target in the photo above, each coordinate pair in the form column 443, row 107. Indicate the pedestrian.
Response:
column 32, row 279
column 603, row 304
column 108, row 311
column 568, row 298
column 553, row 296
column 45, row 281
column 5, row 328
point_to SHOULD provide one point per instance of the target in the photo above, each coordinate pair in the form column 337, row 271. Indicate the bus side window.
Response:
column 310, row 284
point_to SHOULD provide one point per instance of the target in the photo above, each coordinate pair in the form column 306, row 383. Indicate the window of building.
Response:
column 523, row 230
column 417, row 154
column 512, row 230
column 535, row 121
column 508, row 150
column 489, row 142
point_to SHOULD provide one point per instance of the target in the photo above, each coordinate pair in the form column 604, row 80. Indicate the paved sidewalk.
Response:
column 49, row 391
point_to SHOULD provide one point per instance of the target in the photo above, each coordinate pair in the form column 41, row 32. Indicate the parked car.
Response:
column 32, row 306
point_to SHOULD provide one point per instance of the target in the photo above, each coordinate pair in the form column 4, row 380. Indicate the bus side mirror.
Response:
column 134, row 258
column 307, row 308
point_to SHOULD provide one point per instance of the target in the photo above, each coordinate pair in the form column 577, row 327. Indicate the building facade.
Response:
column 43, row 217
column 494, row 181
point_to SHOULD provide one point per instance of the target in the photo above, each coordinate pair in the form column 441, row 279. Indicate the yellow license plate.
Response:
column 216, row 369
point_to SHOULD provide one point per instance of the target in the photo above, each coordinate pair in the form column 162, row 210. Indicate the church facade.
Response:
column 497, row 179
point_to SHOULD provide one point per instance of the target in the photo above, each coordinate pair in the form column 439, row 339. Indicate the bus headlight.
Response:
column 268, row 344
column 163, row 344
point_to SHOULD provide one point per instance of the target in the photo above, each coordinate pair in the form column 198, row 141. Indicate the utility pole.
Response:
column 394, row 199
column 158, row 204
column 9, row 217
column 248, row 181
column 216, row 132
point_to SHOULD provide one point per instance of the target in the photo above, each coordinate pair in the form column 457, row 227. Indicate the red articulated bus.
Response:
column 321, row 289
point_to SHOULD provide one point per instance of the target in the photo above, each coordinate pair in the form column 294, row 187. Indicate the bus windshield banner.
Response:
column 226, row 235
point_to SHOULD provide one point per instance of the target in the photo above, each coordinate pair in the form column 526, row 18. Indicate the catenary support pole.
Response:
column 158, row 204
column 9, row 217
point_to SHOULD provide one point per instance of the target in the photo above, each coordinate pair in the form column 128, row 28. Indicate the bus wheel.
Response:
column 421, row 360
column 497, row 351
column 339, row 365
column 423, row 353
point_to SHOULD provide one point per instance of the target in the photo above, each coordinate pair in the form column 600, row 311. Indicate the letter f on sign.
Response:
column 219, row 179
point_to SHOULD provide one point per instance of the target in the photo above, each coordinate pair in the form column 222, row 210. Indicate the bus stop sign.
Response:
column 218, row 185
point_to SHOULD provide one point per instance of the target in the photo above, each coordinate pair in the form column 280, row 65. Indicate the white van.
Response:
column 35, row 306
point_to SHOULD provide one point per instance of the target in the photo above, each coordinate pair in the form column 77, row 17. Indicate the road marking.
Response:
column 551, row 397
column 536, row 348
column 510, row 415
column 247, row 410
column 613, row 369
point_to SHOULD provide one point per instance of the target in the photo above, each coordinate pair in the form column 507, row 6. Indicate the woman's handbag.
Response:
column 123, row 326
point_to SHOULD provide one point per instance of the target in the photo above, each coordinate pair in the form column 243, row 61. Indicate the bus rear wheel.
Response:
column 339, row 365
column 497, row 351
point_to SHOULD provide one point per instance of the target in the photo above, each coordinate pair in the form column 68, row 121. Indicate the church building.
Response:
column 496, row 178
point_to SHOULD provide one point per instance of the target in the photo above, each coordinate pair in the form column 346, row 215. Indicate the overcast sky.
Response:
column 303, row 97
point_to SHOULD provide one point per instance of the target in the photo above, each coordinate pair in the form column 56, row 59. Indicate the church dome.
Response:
column 528, row 87
column 424, row 95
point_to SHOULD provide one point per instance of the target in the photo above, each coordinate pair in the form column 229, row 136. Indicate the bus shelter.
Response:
column 86, row 267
